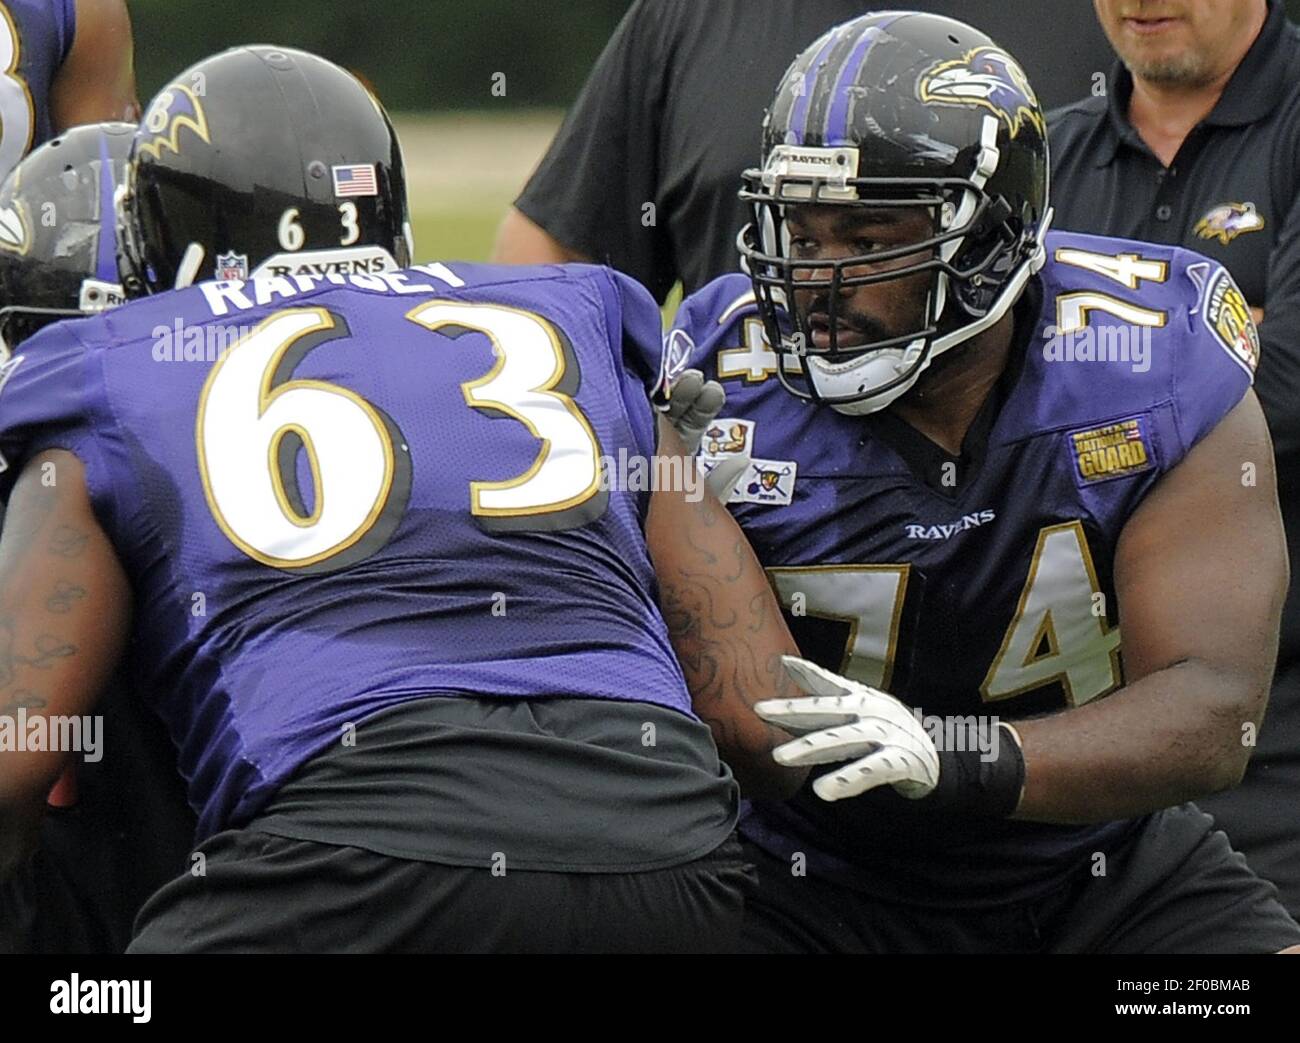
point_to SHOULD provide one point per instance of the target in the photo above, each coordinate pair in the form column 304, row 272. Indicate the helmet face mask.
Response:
column 977, row 172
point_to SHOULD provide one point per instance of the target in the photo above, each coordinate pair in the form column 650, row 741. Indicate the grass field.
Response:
column 463, row 171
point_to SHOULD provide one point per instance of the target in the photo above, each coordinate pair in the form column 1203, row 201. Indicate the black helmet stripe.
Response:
column 827, row 74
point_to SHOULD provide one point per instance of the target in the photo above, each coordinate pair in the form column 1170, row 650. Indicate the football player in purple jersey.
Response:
column 974, row 452
column 376, row 534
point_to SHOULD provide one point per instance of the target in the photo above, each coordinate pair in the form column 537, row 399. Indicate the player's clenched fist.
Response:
column 693, row 402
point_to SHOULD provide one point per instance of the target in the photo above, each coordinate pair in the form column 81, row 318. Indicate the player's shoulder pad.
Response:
column 632, row 318
column 706, row 318
column 1140, row 326
column 1190, row 304
column 640, row 324
column 42, row 386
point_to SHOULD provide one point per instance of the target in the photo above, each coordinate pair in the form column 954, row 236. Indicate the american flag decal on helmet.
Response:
column 356, row 180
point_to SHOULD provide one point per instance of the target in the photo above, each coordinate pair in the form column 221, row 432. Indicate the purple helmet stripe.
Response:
column 106, row 259
column 799, row 117
column 837, row 120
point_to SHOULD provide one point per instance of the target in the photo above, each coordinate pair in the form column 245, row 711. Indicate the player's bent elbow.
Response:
column 520, row 240
column 1225, row 774
column 1239, row 728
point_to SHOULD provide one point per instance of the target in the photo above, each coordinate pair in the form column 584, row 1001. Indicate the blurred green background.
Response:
column 433, row 64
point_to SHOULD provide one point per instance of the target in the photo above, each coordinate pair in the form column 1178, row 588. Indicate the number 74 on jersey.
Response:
column 1057, row 634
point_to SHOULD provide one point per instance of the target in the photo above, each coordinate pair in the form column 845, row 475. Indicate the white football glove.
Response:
column 846, row 720
column 693, row 403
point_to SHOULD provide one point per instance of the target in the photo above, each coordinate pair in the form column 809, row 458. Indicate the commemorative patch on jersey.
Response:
column 1227, row 315
column 1114, row 451
column 767, row 481
column 728, row 436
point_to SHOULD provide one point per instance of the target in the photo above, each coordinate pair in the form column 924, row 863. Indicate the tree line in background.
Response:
column 417, row 54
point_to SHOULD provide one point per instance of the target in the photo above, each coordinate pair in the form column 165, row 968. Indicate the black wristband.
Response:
column 971, row 782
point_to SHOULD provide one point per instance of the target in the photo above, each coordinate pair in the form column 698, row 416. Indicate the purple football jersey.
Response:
column 995, row 599
column 333, row 494
column 36, row 36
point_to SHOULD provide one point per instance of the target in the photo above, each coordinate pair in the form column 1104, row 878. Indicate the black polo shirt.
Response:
column 1232, row 193
column 1229, row 190
column 643, row 174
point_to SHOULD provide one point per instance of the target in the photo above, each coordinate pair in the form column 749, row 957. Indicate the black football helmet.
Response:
column 262, row 160
column 58, row 254
column 898, row 109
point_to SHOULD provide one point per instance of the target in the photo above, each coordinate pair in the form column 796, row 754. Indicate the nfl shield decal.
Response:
column 232, row 266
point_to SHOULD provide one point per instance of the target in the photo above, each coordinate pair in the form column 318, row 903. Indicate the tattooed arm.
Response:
column 725, row 625
column 65, row 608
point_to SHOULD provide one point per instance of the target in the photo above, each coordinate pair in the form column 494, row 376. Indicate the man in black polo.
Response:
column 1197, row 142
column 643, row 174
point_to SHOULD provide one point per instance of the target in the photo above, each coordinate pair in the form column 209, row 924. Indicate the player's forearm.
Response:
column 726, row 628
column 64, row 612
column 1175, row 735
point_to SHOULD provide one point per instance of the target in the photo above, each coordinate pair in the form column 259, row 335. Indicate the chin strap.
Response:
column 187, row 271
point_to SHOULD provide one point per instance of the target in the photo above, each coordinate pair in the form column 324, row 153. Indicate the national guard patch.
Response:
column 1227, row 315
column 1113, row 451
